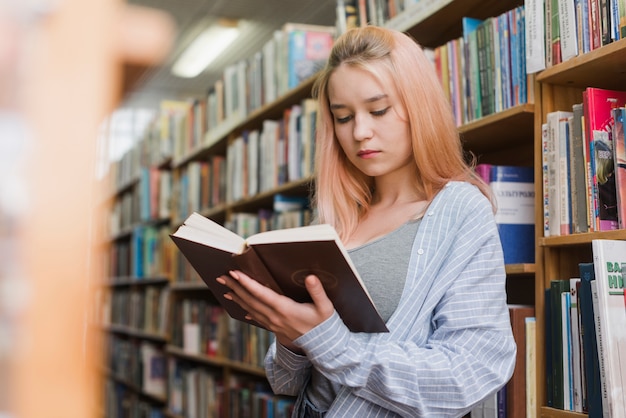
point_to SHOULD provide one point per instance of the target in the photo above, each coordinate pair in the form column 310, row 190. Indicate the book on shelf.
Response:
column 578, row 196
column 576, row 358
column 557, row 164
column 608, row 258
column 619, row 162
column 513, row 187
column 531, row 366
column 598, row 147
column 566, row 339
column 535, row 46
column 516, row 387
column 281, row 260
column 557, row 287
column 590, row 349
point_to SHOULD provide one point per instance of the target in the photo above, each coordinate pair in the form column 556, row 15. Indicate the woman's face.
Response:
column 370, row 122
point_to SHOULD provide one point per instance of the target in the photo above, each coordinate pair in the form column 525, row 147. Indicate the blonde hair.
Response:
column 342, row 192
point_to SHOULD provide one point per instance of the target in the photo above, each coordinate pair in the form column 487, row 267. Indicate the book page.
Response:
column 202, row 230
column 321, row 232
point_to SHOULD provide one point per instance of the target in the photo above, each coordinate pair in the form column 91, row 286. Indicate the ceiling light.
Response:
column 204, row 49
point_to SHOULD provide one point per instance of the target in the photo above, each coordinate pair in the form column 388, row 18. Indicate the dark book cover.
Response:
column 283, row 266
column 557, row 287
column 590, row 348
column 548, row 345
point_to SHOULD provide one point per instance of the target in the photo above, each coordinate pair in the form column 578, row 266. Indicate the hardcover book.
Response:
column 590, row 347
column 608, row 258
column 513, row 188
column 281, row 260
column 599, row 145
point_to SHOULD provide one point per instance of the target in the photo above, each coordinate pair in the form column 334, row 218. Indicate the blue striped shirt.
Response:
column 450, row 343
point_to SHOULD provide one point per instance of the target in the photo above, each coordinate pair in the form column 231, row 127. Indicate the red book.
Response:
column 597, row 105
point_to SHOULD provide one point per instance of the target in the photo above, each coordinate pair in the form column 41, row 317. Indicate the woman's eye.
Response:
column 343, row 120
column 380, row 112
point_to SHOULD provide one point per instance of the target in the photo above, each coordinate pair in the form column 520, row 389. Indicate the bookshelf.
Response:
column 504, row 137
column 557, row 257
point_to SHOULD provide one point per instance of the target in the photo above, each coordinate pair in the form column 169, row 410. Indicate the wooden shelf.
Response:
column 216, row 361
column 603, row 67
column 133, row 332
column 520, row 269
column 547, row 412
column 508, row 129
column 578, row 239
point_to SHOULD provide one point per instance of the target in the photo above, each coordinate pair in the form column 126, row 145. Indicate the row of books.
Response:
column 197, row 391
column 202, row 327
column 258, row 160
column 355, row 13
column 484, row 71
column 564, row 29
column 291, row 56
column 584, row 165
column 200, row 185
column 142, row 308
column 120, row 401
column 281, row 151
column 140, row 364
column 585, row 335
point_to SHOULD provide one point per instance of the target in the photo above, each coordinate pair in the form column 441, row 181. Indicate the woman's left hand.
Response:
column 280, row 314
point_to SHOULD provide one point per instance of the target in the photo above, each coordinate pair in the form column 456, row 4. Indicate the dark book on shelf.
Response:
column 590, row 348
column 281, row 260
column 556, row 288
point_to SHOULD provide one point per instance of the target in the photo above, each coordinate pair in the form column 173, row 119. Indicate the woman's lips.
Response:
column 367, row 153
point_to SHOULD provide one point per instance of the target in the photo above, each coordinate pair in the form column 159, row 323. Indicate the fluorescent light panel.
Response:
column 204, row 49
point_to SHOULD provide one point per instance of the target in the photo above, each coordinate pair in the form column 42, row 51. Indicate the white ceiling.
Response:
column 262, row 18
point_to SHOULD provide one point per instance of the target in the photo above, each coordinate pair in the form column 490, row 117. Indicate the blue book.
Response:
column 513, row 188
column 590, row 348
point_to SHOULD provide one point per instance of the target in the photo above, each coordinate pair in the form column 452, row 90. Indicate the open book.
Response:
column 280, row 259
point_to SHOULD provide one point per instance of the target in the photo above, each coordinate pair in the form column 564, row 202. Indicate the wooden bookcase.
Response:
column 506, row 138
column 558, row 88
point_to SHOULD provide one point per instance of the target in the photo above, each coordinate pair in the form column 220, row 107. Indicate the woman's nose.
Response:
column 362, row 128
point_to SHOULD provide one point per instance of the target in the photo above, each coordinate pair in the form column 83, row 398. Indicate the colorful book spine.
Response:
column 619, row 161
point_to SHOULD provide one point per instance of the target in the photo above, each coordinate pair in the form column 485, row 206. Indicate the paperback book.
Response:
column 281, row 260
column 608, row 258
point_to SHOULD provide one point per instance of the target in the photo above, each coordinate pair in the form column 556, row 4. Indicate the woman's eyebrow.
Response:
column 368, row 100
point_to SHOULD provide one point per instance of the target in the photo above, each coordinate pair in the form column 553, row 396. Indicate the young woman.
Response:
column 392, row 179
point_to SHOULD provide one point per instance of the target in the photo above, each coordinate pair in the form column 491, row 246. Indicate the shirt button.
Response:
column 420, row 251
column 431, row 213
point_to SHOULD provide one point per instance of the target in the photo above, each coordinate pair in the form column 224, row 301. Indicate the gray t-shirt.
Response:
column 383, row 265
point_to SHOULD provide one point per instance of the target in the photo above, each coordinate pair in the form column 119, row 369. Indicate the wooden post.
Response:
column 71, row 77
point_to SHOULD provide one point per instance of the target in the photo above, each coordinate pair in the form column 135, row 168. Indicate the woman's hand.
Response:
column 281, row 315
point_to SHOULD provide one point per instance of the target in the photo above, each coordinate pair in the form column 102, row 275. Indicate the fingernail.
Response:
column 221, row 280
column 234, row 274
column 228, row 296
